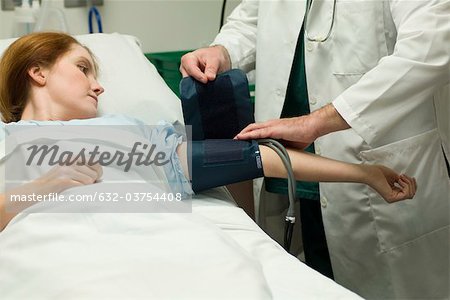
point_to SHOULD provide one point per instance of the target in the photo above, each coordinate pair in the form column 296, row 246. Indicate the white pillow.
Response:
column 132, row 84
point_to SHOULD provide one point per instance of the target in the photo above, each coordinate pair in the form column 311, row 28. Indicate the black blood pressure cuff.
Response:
column 220, row 162
column 219, row 109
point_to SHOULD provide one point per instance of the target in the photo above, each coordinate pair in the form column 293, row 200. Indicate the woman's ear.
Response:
column 38, row 75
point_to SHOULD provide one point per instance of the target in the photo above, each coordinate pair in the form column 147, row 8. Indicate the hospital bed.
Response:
column 215, row 252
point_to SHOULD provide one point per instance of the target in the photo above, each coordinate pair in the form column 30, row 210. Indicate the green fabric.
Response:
column 296, row 104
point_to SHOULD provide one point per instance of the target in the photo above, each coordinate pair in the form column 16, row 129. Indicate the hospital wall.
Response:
column 161, row 25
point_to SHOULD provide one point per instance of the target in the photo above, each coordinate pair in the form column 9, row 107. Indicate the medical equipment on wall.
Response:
column 217, row 111
column 319, row 39
column 50, row 18
column 25, row 17
column 93, row 12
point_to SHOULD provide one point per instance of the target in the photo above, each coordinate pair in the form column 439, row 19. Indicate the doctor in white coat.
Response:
column 379, row 68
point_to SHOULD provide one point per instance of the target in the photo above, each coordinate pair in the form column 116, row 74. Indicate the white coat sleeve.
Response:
column 419, row 65
column 238, row 35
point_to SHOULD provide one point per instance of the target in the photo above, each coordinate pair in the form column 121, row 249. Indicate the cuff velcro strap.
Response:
column 219, row 109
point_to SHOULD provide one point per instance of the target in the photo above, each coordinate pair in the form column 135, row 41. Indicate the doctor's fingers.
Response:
column 256, row 129
column 276, row 129
column 259, row 133
column 202, row 64
column 191, row 66
column 212, row 65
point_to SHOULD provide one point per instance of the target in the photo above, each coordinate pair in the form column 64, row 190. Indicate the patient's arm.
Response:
column 9, row 210
column 56, row 180
column 310, row 167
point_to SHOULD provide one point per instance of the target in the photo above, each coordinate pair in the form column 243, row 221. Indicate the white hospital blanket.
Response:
column 216, row 252
column 286, row 276
column 124, row 256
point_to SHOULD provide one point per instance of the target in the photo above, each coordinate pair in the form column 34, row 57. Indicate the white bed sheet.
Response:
column 286, row 276
column 215, row 252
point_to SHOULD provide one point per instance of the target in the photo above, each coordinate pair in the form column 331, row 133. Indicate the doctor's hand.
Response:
column 391, row 186
column 205, row 63
column 297, row 132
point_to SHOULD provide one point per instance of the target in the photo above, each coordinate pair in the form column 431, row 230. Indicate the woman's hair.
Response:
column 37, row 49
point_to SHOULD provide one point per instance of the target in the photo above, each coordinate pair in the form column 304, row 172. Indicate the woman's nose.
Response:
column 97, row 88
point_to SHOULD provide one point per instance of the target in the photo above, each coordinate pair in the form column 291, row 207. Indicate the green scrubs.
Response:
column 296, row 104
column 313, row 234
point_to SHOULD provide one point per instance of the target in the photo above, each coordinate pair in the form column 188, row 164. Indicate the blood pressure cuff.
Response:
column 219, row 109
column 220, row 162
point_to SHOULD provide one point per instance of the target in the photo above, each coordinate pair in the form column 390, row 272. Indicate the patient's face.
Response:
column 72, row 86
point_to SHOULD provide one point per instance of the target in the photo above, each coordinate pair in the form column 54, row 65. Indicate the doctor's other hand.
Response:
column 205, row 63
column 297, row 132
column 390, row 185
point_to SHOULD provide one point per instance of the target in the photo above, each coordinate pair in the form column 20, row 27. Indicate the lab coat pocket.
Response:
column 357, row 37
column 419, row 156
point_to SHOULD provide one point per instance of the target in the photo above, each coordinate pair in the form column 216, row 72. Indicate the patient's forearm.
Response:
column 306, row 166
column 223, row 163
column 311, row 167
column 4, row 218
column 5, row 214
column 9, row 209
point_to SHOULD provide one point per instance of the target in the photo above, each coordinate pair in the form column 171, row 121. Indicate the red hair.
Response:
column 37, row 49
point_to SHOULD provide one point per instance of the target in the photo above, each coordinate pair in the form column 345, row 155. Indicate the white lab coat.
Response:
column 383, row 68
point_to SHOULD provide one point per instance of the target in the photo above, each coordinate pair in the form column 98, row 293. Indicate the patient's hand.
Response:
column 390, row 185
column 61, row 178
column 56, row 180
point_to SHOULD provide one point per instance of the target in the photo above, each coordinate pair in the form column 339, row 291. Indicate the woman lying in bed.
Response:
column 51, row 77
